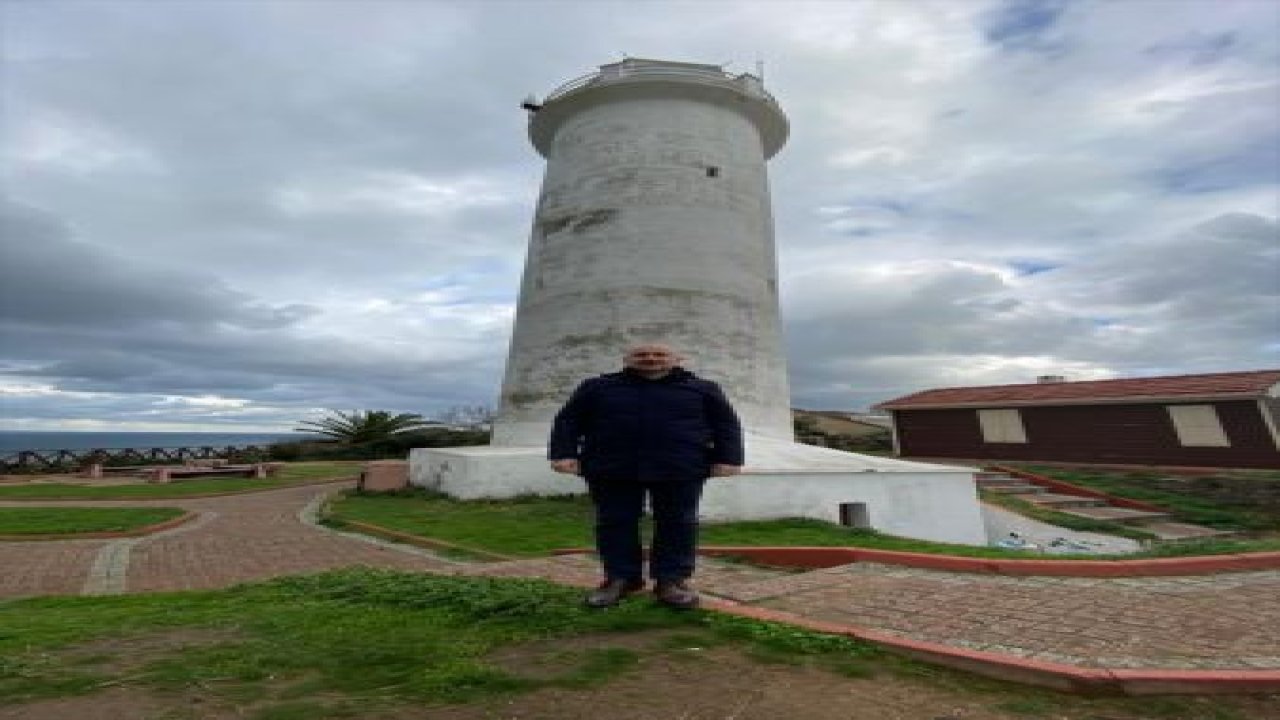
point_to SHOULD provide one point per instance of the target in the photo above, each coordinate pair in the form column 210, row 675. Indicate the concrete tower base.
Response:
column 782, row 479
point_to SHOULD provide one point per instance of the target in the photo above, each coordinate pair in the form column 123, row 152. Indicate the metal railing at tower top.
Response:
column 745, row 83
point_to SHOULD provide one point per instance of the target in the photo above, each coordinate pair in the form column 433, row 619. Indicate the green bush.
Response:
column 285, row 452
column 393, row 447
column 852, row 443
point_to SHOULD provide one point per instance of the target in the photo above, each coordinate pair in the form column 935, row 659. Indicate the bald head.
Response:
column 652, row 360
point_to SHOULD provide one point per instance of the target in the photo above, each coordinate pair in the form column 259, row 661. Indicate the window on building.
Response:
column 1198, row 426
column 1001, row 426
column 1270, row 409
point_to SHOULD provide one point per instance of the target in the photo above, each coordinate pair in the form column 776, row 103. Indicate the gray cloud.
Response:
column 49, row 279
column 240, row 212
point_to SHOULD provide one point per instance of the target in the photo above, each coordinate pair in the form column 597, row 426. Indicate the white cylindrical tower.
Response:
column 653, row 225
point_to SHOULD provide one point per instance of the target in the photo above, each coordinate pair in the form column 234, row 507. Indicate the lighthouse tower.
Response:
column 653, row 225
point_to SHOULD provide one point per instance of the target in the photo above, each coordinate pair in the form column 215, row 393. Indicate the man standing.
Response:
column 655, row 430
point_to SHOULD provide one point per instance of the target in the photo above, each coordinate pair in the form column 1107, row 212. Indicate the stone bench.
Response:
column 169, row 473
column 98, row 470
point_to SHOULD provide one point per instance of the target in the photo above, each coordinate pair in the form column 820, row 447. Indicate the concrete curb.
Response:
column 312, row 514
column 107, row 534
column 427, row 543
column 816, row 558
column 824, row 557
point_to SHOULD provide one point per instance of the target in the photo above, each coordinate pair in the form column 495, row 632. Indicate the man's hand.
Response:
column 719, row 470
column 568, row 467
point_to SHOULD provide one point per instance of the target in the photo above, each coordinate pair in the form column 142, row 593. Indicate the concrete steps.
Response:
column 1174, row 531
column 1156, row 523
column 1006, row 484
column 1114, row 514
column 1057, row 501
column 1015, row 489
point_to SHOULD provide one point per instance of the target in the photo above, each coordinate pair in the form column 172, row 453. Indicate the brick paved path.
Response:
column 1226, row 621
column 237, row 538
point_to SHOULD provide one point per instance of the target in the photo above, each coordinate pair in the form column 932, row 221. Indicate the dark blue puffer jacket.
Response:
column 625, row 427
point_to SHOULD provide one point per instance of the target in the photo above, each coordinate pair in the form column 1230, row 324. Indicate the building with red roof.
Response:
column 1211, row 420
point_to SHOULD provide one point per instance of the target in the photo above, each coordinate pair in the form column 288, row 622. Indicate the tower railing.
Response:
column 745, row 83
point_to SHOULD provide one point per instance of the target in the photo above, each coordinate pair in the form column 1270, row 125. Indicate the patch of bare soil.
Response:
column 549, row 659
column 722, row 684
column 121, row 655
column 725, row 684
column 123, row 703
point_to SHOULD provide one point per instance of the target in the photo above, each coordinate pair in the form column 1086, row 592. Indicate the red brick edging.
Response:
column 816, row 558
column 192, row 496
column 107, row 534
column 824, row 557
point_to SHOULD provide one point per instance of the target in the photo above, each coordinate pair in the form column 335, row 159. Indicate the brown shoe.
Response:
column 611, row 592
column 676, row 594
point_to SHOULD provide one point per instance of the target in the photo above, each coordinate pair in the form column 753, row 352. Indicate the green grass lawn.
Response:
column 531, row 526
column 1186, row 505
column 369, row 635
column 61, row 521
column 298, row 473
column 524, row 526
column 360, row 642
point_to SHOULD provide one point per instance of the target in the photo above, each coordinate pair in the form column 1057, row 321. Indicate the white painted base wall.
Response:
column 927, row 506
column 918, row 500
column 471, row 473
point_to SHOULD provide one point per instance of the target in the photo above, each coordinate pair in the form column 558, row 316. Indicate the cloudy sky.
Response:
column 232, row 215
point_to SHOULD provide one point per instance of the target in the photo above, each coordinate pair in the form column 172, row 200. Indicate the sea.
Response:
column 14, row 440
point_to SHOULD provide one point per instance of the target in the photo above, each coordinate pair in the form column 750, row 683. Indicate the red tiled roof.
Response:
column 1178, row 387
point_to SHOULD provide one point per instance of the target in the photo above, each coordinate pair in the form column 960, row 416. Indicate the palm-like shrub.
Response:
column 361, row 426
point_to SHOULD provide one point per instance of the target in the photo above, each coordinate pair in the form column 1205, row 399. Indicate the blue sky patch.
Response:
column 895, row 205
column 1018, row 24
column 1254, row 164
column 1196, row 49
column 1032, row 267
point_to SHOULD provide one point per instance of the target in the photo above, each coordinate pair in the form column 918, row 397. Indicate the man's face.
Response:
column 650, row 358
